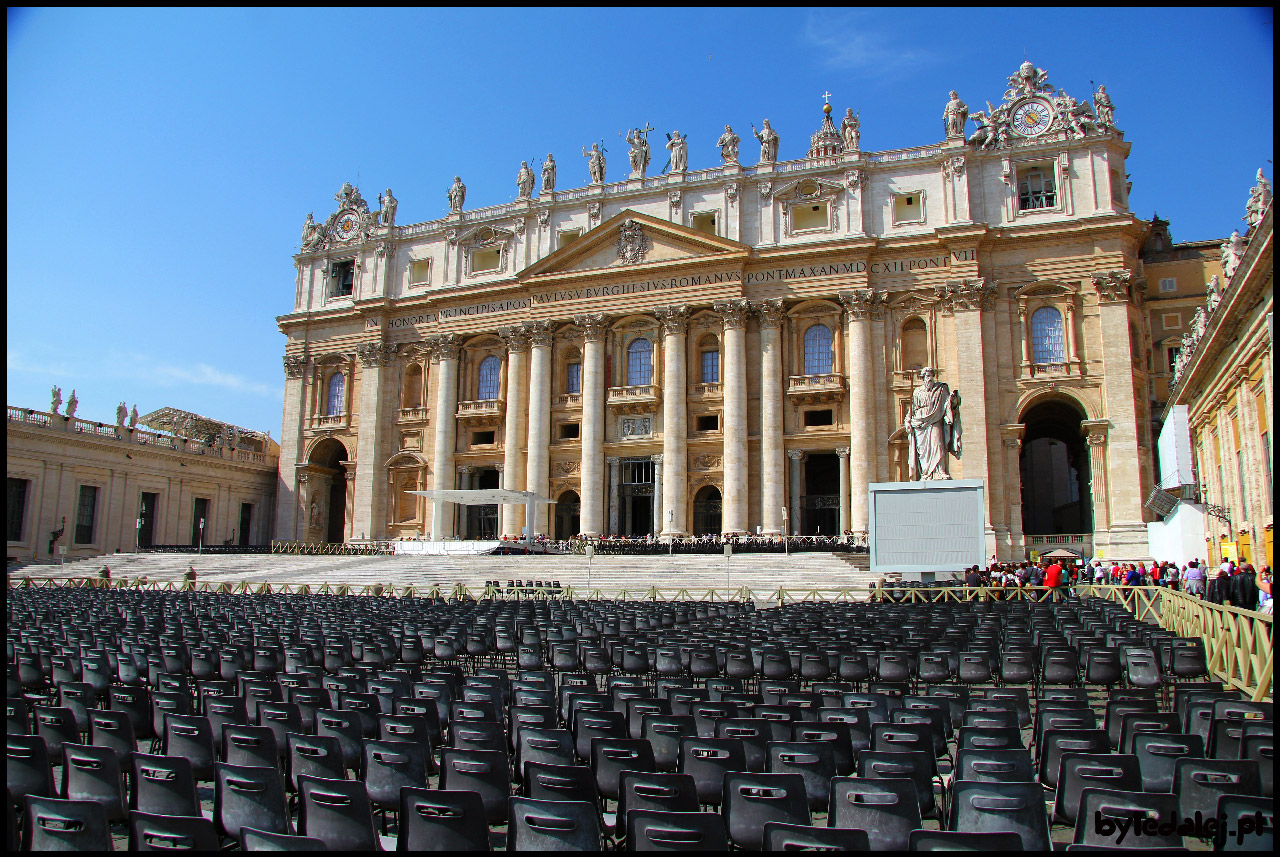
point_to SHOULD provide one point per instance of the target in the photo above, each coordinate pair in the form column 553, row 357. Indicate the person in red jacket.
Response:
column 1053, row 574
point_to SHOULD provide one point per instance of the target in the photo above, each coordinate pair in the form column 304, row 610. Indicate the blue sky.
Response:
column 161, row 163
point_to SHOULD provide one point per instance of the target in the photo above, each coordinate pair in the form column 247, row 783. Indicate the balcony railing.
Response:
column 328, row 420
column 481, row 409
column 413, row 414
column 567, row 400
column 816, row 389
column 642, row 398
column 706, row 391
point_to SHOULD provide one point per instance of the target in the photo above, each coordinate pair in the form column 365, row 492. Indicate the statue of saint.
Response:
column 595, row 163
column 1105, row 110
column 122, row 414
column 728, row 144
column 133, row 417
column 457, row 194
column 1212, row 294
column 310, row 231
column 389, row 203
column 1259, row 199
column 1232, row 253
column 315, row 513
column 850, row 131
column 549, row 174
column 639, row 155
column 933, row 428
column 524, row 181
column 954, row 117
column 57, row 399
column 768, row 143
column 72, row 404
column 679, row 147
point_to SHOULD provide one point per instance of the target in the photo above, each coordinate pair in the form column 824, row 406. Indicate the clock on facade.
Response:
column 346, row 226
column 1032, row 118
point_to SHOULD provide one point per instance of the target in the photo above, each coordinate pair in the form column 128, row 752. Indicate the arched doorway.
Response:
column 568, row 510
column 1055, row 473
column 706, row 511
column 820, row 502
column 327, row 500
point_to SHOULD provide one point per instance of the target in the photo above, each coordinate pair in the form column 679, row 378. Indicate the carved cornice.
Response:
column 594, row 325
column 771, row 313
column 373, row 354
column 734, row 313
column 1112, row 286
column 295, row 365
column 864, row 303
column 674, row 319
column 1095, row 431
column 443, row 346
column 516, row 338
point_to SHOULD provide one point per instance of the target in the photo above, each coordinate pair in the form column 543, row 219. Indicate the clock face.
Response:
column 346, row 226
column 1032, row 119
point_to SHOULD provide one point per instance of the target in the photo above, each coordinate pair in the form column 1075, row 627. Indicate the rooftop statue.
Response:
column 1232, row 253
column 954, row 117
column 312, row 232
column 524, row 181
column 457, row 194
column 72, row 404
column 122, row 414
column 389, row 204
column 768, row 143
column 1027, row 80
column 728, row 144
column 850, row 131
column 639, row 154
column 679, row 147
column 57, row 399
column 1104, row 109
column 549, row 174
column 595, row 163
column 1259, row 199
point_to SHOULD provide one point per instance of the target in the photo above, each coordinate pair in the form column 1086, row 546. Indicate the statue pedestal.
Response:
column 922, row 529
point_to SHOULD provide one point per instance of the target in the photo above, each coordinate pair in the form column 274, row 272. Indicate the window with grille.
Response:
column 573, row 378
column 1036, row 188
column 342, row 278
column 17, row 507
column 711, row 366
column 1046, row 336
column 817, row 350
column 335, row 400
column 1168, row 284
column 86, row 511
column 490, row 369
column 639, row 363
column 1174, row 351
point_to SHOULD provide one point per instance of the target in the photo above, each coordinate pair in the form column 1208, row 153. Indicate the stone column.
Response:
column 369, row 505
column 514, row 436
column 594, row 328
column 538, row 465
column 615, row 488
column 970, row 299
column 1095, row 436
column 772, row 455
column 863, row 305
column 734, row 314
column 843, row 454
column 675, row 429
column 1011, row 442
column 444, row 353
column 1026, row 335
column 796, row 456
column 292, row 446
column 1070, row 322
column 657, row 492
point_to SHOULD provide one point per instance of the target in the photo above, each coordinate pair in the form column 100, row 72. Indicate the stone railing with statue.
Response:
column 1235, row 253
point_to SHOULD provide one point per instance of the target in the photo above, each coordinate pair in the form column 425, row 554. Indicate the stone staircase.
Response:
column 759, row 572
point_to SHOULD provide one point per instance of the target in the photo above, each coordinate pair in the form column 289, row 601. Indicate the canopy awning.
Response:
column 1060, row 553
column 482, row 496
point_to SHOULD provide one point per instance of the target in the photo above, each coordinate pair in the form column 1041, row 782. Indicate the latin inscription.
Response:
column 804, row 272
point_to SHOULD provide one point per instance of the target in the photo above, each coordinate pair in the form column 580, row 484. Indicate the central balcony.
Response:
column 484, row 412
column 815, row 389
column 640, row 399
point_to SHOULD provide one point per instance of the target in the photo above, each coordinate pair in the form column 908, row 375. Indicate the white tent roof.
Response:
column 482, row 496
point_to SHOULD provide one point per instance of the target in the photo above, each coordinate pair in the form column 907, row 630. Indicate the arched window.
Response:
column 490, row 368
column 1046, row 336
column 817, row 350
column 709, row 351
column 412, row 387
column 915, row 345
column 334, row 402
column 639, row 363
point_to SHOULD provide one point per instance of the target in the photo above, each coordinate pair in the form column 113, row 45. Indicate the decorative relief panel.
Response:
column 636, row 426
column 706, row 461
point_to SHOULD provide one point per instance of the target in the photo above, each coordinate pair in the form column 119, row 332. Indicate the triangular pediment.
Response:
column 632, row 239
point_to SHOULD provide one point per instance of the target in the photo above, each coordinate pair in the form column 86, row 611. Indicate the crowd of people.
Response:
column 715, row 544
column 1230, row 584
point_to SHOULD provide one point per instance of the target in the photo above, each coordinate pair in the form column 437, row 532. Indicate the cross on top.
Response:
column 826, row 97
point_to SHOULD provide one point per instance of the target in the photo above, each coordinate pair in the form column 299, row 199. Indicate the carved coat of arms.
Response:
column 633, row 244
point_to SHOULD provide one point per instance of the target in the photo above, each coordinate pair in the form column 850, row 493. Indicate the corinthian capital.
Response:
column 864, row 303
column 971, row 294
column 443, row 346
column 294, row 365
column 516, row 338
column 594, row 325
column 734, row 313
column 373, row 354
column 1112, row 286
column 771, row 313
column 541, row 333
column 674, row 319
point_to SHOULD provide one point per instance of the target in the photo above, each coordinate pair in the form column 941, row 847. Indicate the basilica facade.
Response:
column 734, row 349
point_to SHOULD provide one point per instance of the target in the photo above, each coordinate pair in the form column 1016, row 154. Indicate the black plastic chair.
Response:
column 478, row 735
column 1158, row 753
column 545, row 825
column 442, row 820
column 57, row 726
column 886, row 808
column 989, row 738
column 191, row 737
column 486, row 772
column 27, row 768
column 54, row 824
column 954, row 840
column 164, row 785
column 1114, row 811
column 390, row 766
column 1259, row 744
column 315, row 756
column 337, row 812
column 168, row 833
column 832, row 739
column 655, row 830
column 1055, row 743
column 544, row 781
column 664, row 731
column 657, row 791
column 93, row 773
column 916, row 765
column 346, row 728
column 779, row 836
column 251, row 746
column 1199, row 783
column 249, row 796
column 1136, row 723
column 995, row 766
column 1001, row 807
column 1241, row 813
column 752, row 800
column 547, row 746
column 816, row 768
column 1080, row 771
column 707, row 760
column 611, row 756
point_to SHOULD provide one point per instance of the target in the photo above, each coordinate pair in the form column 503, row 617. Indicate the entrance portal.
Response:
column 482, row 521
column 637, row 497
column 326, row 512
column 568, row 510
column 706, row 511
column 1055, row 472
column 820, row 503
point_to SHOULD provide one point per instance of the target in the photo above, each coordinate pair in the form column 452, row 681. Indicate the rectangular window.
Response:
column 705, row 222
column 420, row 272
column 200, row 515
column 1168, row 284
column 807, row 216
column 483, row 438
column 1037, row 188
column 565, row 237
column 342, row 278
column 570, row 431
column 818, row 418
column 485, row 260
column 86, row 512
column 637, row 471
column 1174, row 351
column 573, row 379
column 17, row 507
column 908, row 207
column 1171, row 320
column 708, row 422
column 711, row 367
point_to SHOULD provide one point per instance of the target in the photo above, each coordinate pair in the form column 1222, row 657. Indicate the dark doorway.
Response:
column 706, row 511
column 200, row 520
column 246, row 521
column 637, row 497
column 820, row 502
column 326, row 460
column 147, row 517
column 482, row 521
column 1055, row 472
column 568, row 512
